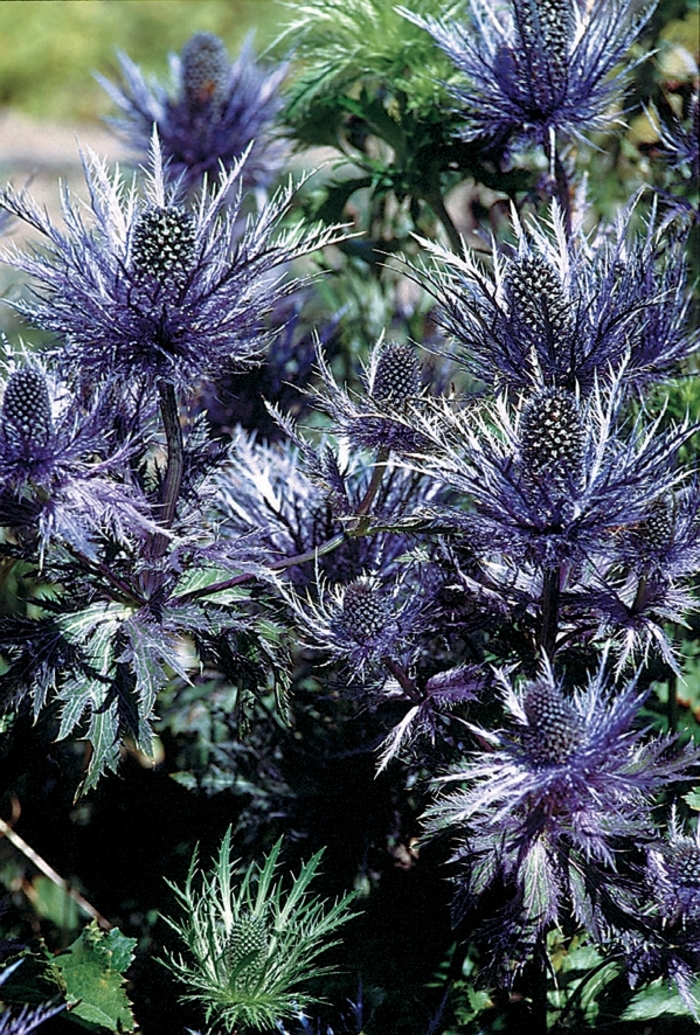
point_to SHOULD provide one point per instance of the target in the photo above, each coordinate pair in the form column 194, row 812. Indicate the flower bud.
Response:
column 364, row 612
column 248, row 941
column 536, row 297
column 396, row 374
column 553, row 438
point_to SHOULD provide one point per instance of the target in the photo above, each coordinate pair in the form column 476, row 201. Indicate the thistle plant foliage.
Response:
column 364, row 507
column 252, row 944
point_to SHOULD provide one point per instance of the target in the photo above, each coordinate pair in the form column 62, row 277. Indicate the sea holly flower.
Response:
column 550, row 479
column 377, row 417
column 566, row 312
column 549, row 804
column 644, row 583
column 57, row 468
column 154, row 292
column 666, row 942
column 211, row 113
column 368, row 624
column 536, row 68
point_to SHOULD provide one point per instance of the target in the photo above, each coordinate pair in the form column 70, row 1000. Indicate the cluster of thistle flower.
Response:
column 535, row 523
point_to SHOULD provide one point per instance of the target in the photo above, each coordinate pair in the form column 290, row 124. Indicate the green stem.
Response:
column 437, row 204
column 172, row 483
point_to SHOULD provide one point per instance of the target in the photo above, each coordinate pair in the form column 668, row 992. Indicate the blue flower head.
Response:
column 209, row 115
column 667, row 943
column 56, row 467
column 534, row 68
column 153, row 291
column 562, row 791
column 567, row 312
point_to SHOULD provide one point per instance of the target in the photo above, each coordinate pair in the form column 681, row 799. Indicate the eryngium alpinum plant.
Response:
column 253, row 945
column 475, row 534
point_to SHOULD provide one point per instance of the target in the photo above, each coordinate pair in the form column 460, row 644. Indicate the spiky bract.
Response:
column 567, row 312
column 556, row 795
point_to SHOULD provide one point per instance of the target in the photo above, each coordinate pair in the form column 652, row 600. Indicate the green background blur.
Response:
column 50, row 48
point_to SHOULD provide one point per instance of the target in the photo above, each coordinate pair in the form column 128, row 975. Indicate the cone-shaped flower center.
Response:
column 548, row 24
column 657, row 529
column 205, row 70
column 163, row 244
column 247, row 942
column 555, row 729
column 26, row 413
column 364, row 613
column 684, row 866
column 397, row 374
column 536, row 297
column 552, row 438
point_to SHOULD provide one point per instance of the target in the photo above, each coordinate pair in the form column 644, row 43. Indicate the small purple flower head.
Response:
column 642, row 585
column 552, row 478
column 537, row 67
column 378, row 418
column 567, row 313
column 364, row 623
column 668, row 942
column 565, row 788
column 211, row 113
column 154, row 291
column 54, row 463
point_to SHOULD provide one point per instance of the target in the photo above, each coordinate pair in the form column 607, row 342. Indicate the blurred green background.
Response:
column 49, row 48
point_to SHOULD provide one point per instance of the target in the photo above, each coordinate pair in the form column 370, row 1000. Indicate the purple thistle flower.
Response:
column 377, row 418
column 536, row 68
column 667, row 943
column 367, row 623
column 210, row 114
column 644, row 584
column 567, row 313
column 551, row 803
column 551, row 479
column 154, row 292
column 55, row 467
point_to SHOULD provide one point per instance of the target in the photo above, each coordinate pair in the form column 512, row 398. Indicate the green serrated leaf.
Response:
column 657, row 1000
column 91, row 971
column 693, row 798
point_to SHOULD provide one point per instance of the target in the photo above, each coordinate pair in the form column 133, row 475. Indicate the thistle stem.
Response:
column 406, row 684
column 561, row 181
column 170, row 412
column 550, row 611
column 373, row 487
column 437, row 204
